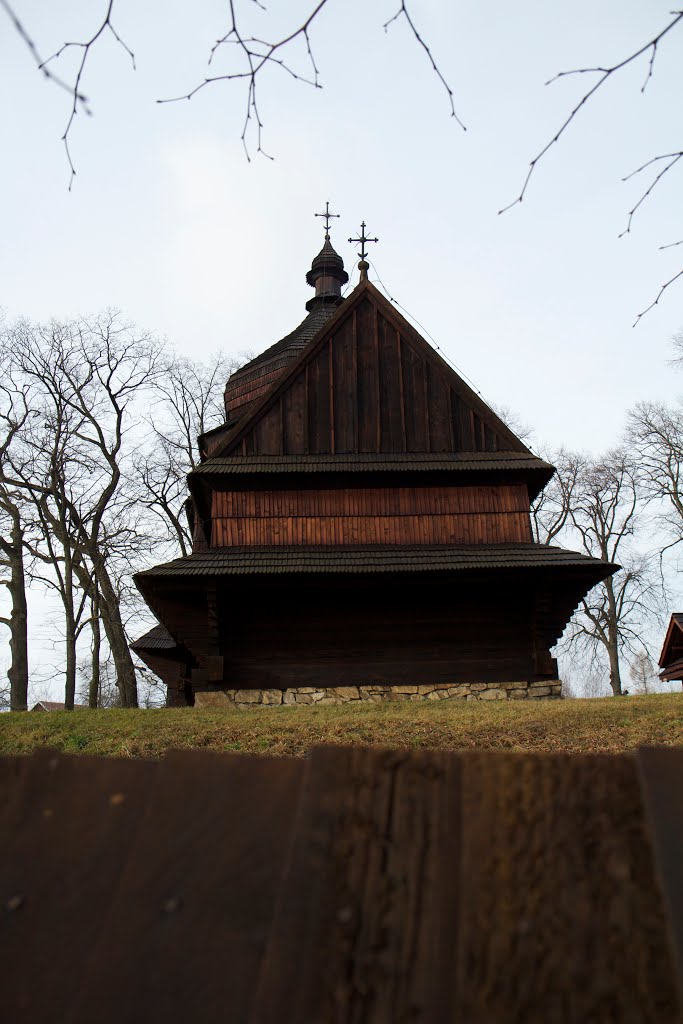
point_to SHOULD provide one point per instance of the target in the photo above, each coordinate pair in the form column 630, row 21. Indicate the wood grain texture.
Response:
column 198, row 894
column 372, row 515
column 562, row 916
column 65, row 837
column 661, row 777
column 357, row 886
column 366, row 924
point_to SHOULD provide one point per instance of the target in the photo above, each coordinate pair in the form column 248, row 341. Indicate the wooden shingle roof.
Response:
column 224, row 561
column 157, row 638
column 372, row 462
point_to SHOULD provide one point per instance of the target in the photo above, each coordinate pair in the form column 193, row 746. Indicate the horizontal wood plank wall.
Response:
column 369, row 389
column 389, row 515
column 324, row 636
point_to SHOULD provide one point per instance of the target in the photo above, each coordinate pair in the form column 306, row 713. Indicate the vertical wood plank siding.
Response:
column 383, row 515
column 370, row 390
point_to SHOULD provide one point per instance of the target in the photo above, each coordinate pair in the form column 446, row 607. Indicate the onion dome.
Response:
column 327, row 275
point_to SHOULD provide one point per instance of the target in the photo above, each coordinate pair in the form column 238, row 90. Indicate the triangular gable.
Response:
column 369, row 382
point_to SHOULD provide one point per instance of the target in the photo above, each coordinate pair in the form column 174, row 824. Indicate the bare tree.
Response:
column 655, row 431
column 187, row 400
column 89, row 374
column 643, row 673
column 552, row 510
column 604, row 515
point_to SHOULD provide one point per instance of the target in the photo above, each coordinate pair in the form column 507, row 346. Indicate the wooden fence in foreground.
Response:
column 359, row 886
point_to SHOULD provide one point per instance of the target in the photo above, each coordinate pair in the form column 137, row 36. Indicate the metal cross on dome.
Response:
column 362, row 240
column 328, row 217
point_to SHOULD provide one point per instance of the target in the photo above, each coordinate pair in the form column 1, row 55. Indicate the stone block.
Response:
column 302, row 698
column 289, row 697
column 271, row 696
column 248, row 696
column 539, row 691
column 403, row 689
column 434, row 695
column 318, row 695
column 215, row 699
column 458, row 691
column 304, row 689
column 492, row 694
column 478, row 686
column 518, row 694
column 344, row 692
column 512, row 686
column 424, row 689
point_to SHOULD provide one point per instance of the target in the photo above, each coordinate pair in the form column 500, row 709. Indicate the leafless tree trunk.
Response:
column 94, row 685
column 13, row 559
column 14, row 414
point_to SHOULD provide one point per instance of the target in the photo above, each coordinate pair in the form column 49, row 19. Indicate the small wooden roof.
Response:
column 671, row 658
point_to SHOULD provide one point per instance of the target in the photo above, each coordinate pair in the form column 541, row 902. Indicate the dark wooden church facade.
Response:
column 361, row 519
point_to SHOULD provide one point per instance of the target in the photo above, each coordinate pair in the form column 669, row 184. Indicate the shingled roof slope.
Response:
column 373, row 559
column 157, row 638
column 371, row 462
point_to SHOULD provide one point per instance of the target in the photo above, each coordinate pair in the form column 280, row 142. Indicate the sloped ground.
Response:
column 572, row 726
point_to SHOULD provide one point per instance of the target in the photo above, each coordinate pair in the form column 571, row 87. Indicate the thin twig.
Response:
column 79, row 100
column 605, row 74
column 673, row 159
column 257, row 53
column 403, row 10
column 33, row 50
column 659, row 295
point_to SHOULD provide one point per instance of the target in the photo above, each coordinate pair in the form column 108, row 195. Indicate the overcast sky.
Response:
column 169, row 222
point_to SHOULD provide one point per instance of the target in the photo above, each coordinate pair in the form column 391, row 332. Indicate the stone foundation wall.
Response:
column 551, row 690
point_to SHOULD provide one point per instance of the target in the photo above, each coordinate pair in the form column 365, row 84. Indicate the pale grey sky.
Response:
column 169, row 222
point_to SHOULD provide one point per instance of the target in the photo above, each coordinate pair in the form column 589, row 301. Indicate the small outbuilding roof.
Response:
column 52, row 705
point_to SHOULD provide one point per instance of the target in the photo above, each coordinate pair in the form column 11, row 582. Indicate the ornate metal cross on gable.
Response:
column 362, row 240
column 328, row 217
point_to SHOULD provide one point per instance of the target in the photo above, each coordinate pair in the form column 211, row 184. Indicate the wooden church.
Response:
column 361, row 528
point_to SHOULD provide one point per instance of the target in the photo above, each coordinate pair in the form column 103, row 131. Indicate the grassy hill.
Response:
column 574, row 726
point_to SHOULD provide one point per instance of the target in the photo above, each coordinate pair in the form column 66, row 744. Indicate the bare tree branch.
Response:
column 659, row 295
column 403, row 11
column 673, row 159
column 257, row 53
column 605, row 73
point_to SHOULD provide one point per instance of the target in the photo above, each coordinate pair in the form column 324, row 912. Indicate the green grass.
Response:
column 611, row 724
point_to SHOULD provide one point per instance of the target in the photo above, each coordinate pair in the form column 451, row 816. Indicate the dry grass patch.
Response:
column 609, row 725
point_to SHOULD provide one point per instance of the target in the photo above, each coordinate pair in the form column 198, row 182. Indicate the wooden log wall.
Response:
column 328, row 634
column 380, row 515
